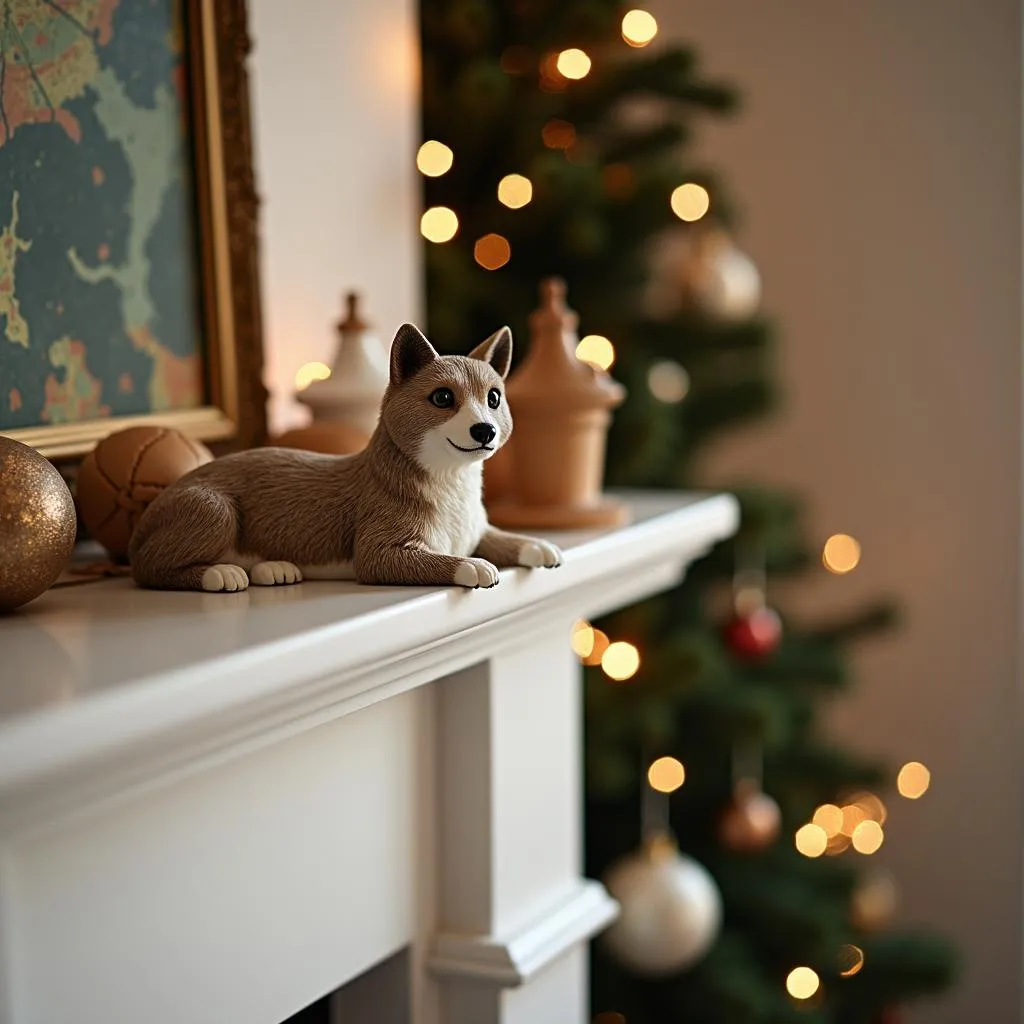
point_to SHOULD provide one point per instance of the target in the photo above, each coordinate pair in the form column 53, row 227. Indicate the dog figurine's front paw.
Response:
column 221, row 577
column 476, row 572
column 536, row 554
column 273, row 574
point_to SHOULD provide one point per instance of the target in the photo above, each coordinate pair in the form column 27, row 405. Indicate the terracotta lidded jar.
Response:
column 561, row 408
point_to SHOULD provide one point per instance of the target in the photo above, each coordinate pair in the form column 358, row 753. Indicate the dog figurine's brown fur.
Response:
column 408, row 509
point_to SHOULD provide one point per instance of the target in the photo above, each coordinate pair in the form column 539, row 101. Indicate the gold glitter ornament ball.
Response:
column 37, row 524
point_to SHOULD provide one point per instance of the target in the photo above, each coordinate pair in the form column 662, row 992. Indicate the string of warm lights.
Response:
column 833, row 828
column 619, row 661
column 440, row 224
column 668, row 381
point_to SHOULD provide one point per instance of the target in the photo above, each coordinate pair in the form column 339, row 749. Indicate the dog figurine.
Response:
column 407, row 509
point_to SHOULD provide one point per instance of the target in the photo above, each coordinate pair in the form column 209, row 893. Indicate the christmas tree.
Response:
column 556, row 143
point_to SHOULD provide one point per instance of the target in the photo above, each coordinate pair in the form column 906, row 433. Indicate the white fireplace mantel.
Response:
column 215, row 808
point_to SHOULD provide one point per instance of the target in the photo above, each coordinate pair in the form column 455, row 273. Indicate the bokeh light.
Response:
column 666, row 775
column 853, row 815
column 639, row 27
column 867, row 837
column 802, row 983
column 871, row 805
column 582, row 641
column 830, row 818
column 557, row 134
column 841, row 554
column 837, row 844
column 439, row 224
column 434, row 159
column 851, row 960
column 492, row 251
column 309, row 372
column 600, row 645
column 913, row 780
column 573, row 63
column 515, row 191
column 596, row 350
column 618, row 180
column 811, row 840
column 620, row 661
column 669, row 382
column 874, row 902
column 690, row 202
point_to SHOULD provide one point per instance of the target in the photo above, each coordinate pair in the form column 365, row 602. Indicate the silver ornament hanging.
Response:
column 671, row 909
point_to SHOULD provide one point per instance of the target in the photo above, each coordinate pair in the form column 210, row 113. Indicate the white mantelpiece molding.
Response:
column 216, row 808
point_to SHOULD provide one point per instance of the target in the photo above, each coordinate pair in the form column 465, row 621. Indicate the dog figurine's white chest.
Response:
column 456, row 519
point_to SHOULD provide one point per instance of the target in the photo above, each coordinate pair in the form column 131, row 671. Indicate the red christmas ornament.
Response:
column 754, row 635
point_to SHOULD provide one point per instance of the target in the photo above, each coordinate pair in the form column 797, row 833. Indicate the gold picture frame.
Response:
column 217, row 46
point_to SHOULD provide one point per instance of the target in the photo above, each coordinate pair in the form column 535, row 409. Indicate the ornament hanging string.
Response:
column 747, row 762
column 750, row 575
column 654, row 811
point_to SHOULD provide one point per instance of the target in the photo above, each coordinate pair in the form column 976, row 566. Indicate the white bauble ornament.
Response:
column 701, row 268
column 671, row 909
column 727, row 285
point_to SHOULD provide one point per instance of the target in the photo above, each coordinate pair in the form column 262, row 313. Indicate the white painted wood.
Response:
column 558, row 995
column 511, row 901
column 221, row 810
column 511, row 959
column 241, row 895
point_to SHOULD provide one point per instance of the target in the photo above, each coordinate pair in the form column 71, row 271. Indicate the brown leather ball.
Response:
column 124, row 473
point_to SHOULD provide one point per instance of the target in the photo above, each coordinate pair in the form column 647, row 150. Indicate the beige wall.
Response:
column 336, row 122
column 878, row 166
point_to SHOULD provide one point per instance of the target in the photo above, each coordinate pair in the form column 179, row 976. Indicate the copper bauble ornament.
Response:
column 752, row 820
column 671, row 909
column 37, row 524
column 124, row 473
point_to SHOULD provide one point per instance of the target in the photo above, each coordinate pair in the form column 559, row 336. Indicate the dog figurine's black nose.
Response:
column 482, row 433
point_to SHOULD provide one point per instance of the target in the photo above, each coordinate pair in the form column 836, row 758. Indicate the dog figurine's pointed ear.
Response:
column 496, row 350
column 410, row 352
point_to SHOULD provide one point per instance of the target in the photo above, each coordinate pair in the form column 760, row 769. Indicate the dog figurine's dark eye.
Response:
column 494, row 398
column 443, row 398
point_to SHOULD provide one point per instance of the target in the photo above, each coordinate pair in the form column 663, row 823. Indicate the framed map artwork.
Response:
column 128, row 283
